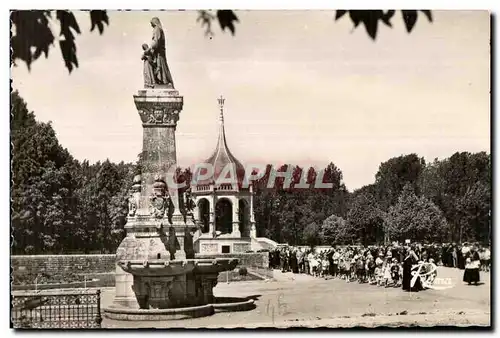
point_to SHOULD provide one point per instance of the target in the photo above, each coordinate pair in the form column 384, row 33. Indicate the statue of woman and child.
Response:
column 156, row 72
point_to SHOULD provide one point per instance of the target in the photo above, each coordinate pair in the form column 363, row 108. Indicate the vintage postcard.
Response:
column 250, row 169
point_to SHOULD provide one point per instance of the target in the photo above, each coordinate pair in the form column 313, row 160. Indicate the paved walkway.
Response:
column 290, row 276
column 309, row 301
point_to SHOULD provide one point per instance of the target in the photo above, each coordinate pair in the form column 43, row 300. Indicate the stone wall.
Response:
column 91, row 264
column 256, row 259
column 56, row 264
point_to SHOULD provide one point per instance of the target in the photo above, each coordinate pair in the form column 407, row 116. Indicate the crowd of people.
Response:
column 387, row 266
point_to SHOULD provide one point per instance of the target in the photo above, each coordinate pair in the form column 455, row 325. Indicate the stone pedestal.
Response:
column 153, row 203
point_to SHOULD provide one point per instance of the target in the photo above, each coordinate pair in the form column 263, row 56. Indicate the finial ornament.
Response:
column 221, row 100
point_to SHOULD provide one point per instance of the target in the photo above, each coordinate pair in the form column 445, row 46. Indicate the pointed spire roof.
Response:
column 222, row 155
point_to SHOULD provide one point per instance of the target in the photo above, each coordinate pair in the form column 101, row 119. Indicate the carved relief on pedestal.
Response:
column 158, row 205
column 241, row 247
column 165, row 115
column 209, row 248
column 153, row 292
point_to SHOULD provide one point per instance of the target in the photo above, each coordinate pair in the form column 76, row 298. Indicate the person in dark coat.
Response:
column 282, row 259
column 287, row 260
column 444, row 258
column 329, row 256
column 460, row 258
column 294, row 264
column 471, row 273
column 410, row 260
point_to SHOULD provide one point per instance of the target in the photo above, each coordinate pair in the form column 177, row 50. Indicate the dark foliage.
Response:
column 371, row 19
column 33, row 36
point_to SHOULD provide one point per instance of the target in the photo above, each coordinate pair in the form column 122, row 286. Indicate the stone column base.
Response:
column 124, row 294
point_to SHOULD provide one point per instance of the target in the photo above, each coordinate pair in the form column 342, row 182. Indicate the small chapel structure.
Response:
column 225, row 210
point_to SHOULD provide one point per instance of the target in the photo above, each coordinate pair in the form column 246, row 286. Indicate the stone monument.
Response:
column 157, row 275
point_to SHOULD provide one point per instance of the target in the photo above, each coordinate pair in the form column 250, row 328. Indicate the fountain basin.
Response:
column 209, row 266
column 225, row 304
column 165, row 284
column 156, row 268
column 161, row 267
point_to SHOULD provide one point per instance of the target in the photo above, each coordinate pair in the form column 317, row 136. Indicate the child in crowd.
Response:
column 378, row 273
column 370, row 268
column 387, row 271
column 395, row 272
column 360, row 269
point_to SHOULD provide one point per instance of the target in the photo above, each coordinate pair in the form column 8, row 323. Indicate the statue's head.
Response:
column 155, row 22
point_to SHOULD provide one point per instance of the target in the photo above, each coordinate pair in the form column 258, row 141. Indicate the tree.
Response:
column 284, row 213
column 333, row 230
column 365, row 219
column 33, row 36
column 416, row 218
column 474, row 211
column 394, row 174
column 460, row 186
column 59, row 204
column 43, row 201
column 312, row 235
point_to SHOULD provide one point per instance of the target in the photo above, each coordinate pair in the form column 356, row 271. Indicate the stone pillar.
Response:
column 159, row 111
column 124, row 294
column 253, row 230
column 212, row 200
column 236, row 218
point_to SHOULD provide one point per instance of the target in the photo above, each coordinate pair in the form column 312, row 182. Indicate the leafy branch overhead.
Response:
column 31, row 34
column 370, row 19
column 226, row 19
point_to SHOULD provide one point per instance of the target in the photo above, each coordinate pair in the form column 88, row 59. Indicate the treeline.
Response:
column 62, row 205
column 59, row 204
column 444, row 201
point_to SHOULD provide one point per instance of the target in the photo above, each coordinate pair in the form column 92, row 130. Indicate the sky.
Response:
column 300, row 88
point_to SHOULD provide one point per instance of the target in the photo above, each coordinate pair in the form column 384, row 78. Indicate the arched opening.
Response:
column 243, row 218
column 204, row 214
column 224, row 216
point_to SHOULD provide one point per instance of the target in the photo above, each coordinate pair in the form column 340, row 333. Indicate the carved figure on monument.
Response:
column 189, row 203
column 132, row 206
column 133, row 199
column 158, row 200
column 148, row 68
column 155, row 59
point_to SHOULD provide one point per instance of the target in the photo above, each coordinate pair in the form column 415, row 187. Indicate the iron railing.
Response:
column 69, row 309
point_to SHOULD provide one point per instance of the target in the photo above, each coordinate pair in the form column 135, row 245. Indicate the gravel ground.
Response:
column 315, row 302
